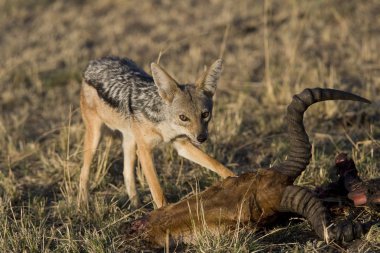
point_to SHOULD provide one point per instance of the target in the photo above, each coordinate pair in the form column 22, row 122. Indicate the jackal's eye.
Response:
column 205, row 114
column 183, row 117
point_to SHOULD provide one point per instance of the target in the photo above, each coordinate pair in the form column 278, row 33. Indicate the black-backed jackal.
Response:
column 147, row 111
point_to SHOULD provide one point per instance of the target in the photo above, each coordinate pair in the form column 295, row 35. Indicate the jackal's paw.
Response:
column 135, row 202
column 82, row 200
column 347, row 231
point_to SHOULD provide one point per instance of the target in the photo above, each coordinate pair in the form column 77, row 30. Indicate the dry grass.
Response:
column 269, row 55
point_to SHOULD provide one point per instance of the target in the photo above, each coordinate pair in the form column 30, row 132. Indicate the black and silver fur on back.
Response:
column 124, row 86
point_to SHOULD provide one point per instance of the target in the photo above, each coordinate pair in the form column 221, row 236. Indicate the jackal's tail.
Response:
column 300, row 149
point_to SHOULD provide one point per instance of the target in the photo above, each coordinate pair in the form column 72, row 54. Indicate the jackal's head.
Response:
column 188, row 107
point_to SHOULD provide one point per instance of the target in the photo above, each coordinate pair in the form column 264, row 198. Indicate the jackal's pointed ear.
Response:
column 209, row 79
column 167, row 86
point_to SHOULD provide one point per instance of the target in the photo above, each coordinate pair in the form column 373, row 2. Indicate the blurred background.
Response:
column 271, row 50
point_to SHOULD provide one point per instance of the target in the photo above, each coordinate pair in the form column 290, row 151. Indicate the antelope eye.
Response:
column 205, row 114
column 183, row 117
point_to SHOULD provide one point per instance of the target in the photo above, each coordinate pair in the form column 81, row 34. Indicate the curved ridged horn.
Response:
column 301, row 201
column 300, row 149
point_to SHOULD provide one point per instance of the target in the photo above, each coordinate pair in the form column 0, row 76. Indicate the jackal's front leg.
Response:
column 187, row 150
column 146, row 160
column 129, row 150
column 91, row 140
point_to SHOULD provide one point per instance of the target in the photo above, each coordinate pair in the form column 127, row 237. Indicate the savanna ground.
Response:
column 272, row 49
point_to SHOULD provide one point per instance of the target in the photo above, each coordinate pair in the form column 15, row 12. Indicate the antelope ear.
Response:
column 167, row 86
column 209, row 79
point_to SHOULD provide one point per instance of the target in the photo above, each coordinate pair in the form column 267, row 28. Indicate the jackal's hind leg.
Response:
column 129, row 151
column 187, row 150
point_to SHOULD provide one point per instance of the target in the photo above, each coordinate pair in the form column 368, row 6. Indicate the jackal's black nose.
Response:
column 202, row 137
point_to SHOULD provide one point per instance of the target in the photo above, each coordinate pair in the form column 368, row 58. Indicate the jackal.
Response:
column 147, row 111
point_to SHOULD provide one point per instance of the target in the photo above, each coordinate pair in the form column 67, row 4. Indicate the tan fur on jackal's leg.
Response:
column 146, row 160
column 187, row 150
column 93, row 126
column 129, row 150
